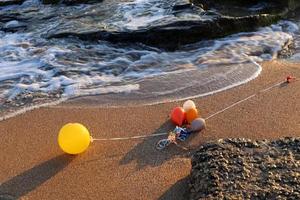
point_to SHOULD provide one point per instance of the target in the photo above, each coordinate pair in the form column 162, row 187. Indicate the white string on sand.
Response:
column 245, row 99
column 210, row 116
column 129, row 138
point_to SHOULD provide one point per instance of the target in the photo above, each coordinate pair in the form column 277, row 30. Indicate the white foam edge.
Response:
column 55, row 103
column 255, row 75
column 26, row 109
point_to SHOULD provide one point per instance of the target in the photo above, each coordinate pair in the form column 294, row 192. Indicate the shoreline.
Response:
column 81, row 100
column 134, row 169
column 101, row 100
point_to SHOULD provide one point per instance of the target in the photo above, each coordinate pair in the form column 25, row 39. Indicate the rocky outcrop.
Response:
column 168, row 35
column 240, row 7
column 175, row 34
column 245, row 169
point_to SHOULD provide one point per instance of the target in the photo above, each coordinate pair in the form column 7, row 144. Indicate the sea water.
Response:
column 35, row 71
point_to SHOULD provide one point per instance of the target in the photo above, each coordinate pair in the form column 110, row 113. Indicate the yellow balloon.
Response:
column 74, row 138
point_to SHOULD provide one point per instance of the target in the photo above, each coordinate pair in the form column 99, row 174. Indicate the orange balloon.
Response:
column 178, row 116
column 191, row 115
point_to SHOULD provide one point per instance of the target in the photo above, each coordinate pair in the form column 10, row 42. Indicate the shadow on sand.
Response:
column 146, row 154
column 27, row 181
column 178, row 191
column 284, row 84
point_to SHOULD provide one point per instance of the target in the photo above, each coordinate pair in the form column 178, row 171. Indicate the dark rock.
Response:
column 242, row 7
column 232, row 171
column 51, row 1
column 183, row 6
column 17, row 15
column 172, row 35
column 175, row 34
column 70, row 2
column 10, row 2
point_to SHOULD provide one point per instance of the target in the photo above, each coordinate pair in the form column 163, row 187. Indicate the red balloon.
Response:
column 178, row 116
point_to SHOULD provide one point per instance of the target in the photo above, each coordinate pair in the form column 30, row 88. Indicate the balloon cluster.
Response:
column 188, row 114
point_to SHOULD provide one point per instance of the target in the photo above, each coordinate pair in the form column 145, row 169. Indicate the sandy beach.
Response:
column 33, row 167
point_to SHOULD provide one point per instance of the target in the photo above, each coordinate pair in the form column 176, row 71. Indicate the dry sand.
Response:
column 33, row 167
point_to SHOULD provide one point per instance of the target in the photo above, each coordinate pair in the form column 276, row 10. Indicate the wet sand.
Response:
column 33, row 167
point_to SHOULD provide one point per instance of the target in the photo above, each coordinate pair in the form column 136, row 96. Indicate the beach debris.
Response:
column 182, row 133
column 179, row 133
column 186, row 116
column 74, row 138
column 163, row 143
column 189, row 104
column 178, row 116
column 290, row 78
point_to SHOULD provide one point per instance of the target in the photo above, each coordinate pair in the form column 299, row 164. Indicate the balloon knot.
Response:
column 92, row 139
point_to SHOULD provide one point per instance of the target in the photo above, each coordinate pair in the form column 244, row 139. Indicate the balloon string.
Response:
column 241, row 101
column 210, row 116
column 128, row 138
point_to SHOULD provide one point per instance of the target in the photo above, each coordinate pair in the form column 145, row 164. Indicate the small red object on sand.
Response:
column 290, row 78
column 178, row 116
